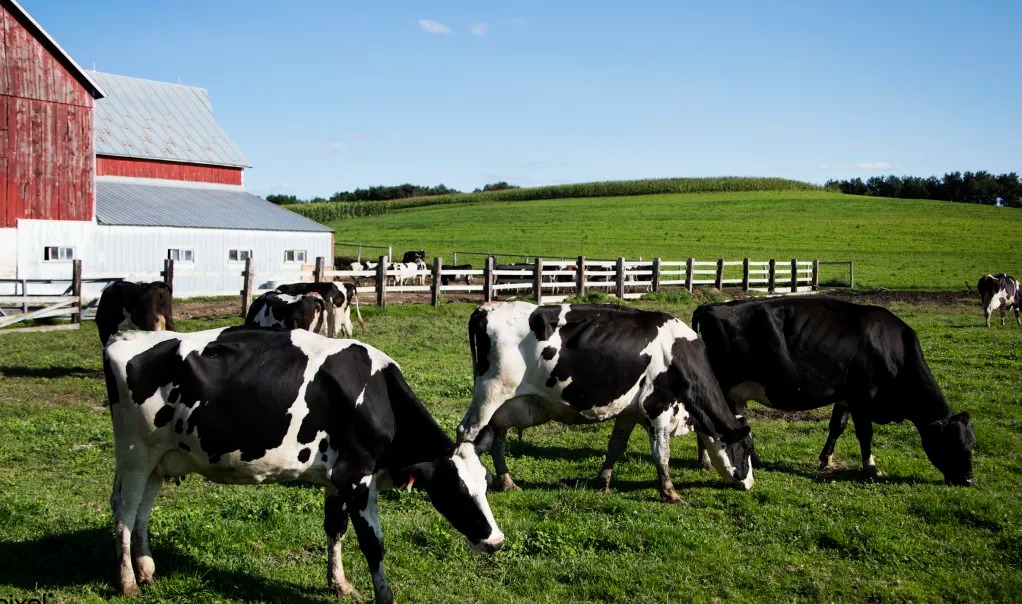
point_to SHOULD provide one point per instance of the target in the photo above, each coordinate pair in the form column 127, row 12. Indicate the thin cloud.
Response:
column 434, row 27
column 480, row 30
column 518, row 21
column 863, row 165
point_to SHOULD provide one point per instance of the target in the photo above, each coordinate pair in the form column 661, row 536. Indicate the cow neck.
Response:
column 921, row 387
column 417, row 437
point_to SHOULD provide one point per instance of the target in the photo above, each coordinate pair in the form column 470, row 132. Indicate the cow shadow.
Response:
column 51, row 372
column 86, row 559
column 523, row 448
column 849, row 474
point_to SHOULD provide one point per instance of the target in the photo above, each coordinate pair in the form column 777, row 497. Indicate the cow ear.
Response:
column 420, row 473
column 484, row 441
column 740, row 433
column 962, row 417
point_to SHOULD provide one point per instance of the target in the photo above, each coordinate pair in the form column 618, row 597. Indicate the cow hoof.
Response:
column 601, row 484
column 873, row 473
column 671, row 497
column 505, row 483
column 131, row 591
column 344, row 590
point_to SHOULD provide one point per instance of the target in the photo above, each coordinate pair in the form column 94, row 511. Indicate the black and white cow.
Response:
column 124, row 305
column 245, row 406
column 999, row 291
column 412, row 257
column 339, row 298
column 466, row 276
column 807, row 352
column 282, row 311
column 578, row 363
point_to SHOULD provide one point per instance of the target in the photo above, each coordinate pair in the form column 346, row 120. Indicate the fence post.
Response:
column 689, row 274
column 816, row 274
column 168, row 274
column 851, row 275
column 76, row 289
column 745, row 274
column 538, row 279
column 246, row 289
column 655, row 286
column 435, row 290
column 580, row 276
column 719, row 283
column 381, row 282
column 794, row 275
column 488, row 280
column 620, row 278
column 317, row 273
column 771, row 276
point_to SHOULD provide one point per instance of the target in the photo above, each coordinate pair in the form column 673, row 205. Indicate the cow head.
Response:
column 731, row 454
column 949, row 443
column 456, row 484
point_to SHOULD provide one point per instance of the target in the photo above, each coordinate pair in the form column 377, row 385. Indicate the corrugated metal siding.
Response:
column 159, row 120
column 149, row 168
column 212, row 207
column 45, row 131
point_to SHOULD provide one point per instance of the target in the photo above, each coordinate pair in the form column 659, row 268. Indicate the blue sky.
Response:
column 324, row 96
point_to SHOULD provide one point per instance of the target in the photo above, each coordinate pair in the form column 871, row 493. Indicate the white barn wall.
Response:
column 8, row 253
column 138, row 252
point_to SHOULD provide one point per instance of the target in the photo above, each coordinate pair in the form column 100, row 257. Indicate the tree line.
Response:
column 971, row 187
column 384, row 193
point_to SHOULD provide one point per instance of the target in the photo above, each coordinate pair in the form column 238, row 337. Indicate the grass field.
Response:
column 796, row 537
column 902, row 244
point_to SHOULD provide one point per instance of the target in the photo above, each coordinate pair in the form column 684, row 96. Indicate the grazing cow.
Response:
column 247, row 406
column 805, row 353
column 282, row 311
column 125, row 305
column 465, row 276
column 999, row 291
column 579, row 363
column 340, row 297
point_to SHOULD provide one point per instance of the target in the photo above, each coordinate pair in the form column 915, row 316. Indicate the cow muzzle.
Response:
column 494, row 543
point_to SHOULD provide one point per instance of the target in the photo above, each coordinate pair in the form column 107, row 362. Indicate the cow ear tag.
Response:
column 411, row 481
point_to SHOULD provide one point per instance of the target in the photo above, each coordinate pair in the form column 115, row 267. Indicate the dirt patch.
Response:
column 207, row 309
column 883, row 297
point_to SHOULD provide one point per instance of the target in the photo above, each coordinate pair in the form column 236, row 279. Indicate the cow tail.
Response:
column 472, row 328
column 322, row 314
column 697, row 315
column 358, row 311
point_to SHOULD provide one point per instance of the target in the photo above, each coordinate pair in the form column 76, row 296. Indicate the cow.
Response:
column 807, row 352
column 412, row 257
column 402, row 272
column 250, row 406
column 124, row 305
column 579, row 363
column 341, row 299
column 282, row 311
column 999, row 291
column 464, row 276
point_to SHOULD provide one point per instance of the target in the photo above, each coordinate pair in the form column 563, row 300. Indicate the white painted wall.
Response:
column 8, row 253
column 138, row 252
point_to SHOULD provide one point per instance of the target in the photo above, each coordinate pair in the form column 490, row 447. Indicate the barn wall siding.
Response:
column 8, row 253
column 140, row 250
column 30, row 71
column 145, row 168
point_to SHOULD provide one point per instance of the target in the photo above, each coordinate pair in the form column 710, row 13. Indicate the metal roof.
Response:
column 158, row 120
column 59, row 53
column 123, row 202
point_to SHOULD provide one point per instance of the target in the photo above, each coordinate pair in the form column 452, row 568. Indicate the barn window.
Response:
column 294, row 256
column 179, row 255
column 58, row 253
column 238, row 255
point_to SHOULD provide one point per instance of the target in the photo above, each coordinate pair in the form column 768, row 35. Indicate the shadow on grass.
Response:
column 838, row 474
column 523, row 448
column 51, row 372
column 83, row 557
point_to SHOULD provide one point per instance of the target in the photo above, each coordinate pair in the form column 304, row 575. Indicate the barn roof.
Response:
column 146, row 119
column 142, row 202
column 51, row 45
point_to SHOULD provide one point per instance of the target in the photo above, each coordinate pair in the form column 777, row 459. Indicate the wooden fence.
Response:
column 33, row 307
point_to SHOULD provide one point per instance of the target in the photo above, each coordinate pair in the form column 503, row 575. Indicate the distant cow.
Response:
column 999, row 291
column 124, row 306
column 413, row 256
column 805, row 353
column 284, row 311
column 465, row 276
column 341, row 295
column 578, row 364
column 247, row 406
column 401, row 273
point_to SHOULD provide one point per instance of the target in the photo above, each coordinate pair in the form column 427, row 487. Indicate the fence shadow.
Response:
column 84, row 557
column 51, row 372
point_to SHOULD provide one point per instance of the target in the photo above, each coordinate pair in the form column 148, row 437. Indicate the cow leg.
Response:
column 366, row 519
column 1002, row 315
column 335, row 523
column 140, row 535
column 838, row 421
column 502, row 481
column 129, row 490
column 660, row 443
column 864, row 432
column 623, row 427
column 522, row 412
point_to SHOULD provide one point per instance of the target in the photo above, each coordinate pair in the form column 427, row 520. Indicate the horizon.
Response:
column 330, row 98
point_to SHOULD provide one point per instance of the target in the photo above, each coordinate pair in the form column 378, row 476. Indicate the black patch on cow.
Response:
column 690, row 381
column 343, row 376
column 242, row 400
column 549, row 353
column 601, row 350
column 324, row 458
column 184, row 446
column 179, row 426
column 164, row 416
column 479, row 341
column 551, row 382
column 175, row 394
column 543, row 321
column 323, row 444
column 304, row 455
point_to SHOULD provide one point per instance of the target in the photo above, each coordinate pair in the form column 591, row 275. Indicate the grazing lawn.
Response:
column 797, row 536
column 894, row 243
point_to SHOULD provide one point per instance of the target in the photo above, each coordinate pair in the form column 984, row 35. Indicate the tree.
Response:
column 282, row 199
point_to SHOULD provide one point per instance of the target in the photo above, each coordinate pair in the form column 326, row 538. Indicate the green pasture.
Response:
column 894, row 243
column 796, row 537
